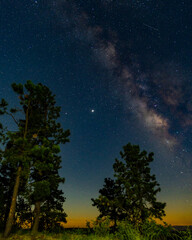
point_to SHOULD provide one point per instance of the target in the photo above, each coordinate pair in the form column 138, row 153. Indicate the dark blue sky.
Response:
column 130, row 62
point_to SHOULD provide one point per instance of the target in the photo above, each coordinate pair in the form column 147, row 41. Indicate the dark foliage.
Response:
column 31, row 152
column 132, row 195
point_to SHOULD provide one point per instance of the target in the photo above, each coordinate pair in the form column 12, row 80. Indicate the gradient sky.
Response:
column 122, row 72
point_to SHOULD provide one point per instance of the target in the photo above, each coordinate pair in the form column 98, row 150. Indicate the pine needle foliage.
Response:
column 32, row 151
column 131, row 195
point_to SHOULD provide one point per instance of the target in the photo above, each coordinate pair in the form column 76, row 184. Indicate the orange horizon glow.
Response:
column 174, row 220
column 177, row 214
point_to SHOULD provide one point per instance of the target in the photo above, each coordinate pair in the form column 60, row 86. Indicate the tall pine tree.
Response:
column 38, row 136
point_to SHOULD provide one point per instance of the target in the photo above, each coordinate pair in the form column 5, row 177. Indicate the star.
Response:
column 92, row 110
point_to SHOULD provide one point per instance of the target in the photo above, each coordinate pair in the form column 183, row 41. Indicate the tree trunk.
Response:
column 36, row 218
column 11, row 215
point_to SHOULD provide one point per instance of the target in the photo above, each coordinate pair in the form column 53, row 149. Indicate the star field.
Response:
column 121, row 72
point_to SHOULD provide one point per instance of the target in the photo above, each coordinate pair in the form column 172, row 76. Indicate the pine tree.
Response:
column 46, row 162
column 7, row 168
column 136, row 199
column 16, row 154
column 37, row 127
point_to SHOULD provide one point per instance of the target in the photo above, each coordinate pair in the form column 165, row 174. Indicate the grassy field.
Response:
column 125, row 231
column 75, row 236
column 65, row 236
column 61, row 236
column 80, row 236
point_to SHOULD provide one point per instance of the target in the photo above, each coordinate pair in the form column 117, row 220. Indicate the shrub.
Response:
column 153, row 231
column 187, row 235
column 126, row 231
column 101, row 226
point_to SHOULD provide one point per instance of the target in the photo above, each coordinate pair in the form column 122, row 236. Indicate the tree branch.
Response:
column 10, row 114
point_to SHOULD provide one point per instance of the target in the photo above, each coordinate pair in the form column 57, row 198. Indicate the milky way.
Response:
column 155, row 86
column 121, row 72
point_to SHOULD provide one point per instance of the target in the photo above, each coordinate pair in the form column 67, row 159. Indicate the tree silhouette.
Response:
column 36, row 140
column 133, row 190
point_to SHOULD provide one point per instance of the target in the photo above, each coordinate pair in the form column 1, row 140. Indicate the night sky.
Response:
column 122, row 72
